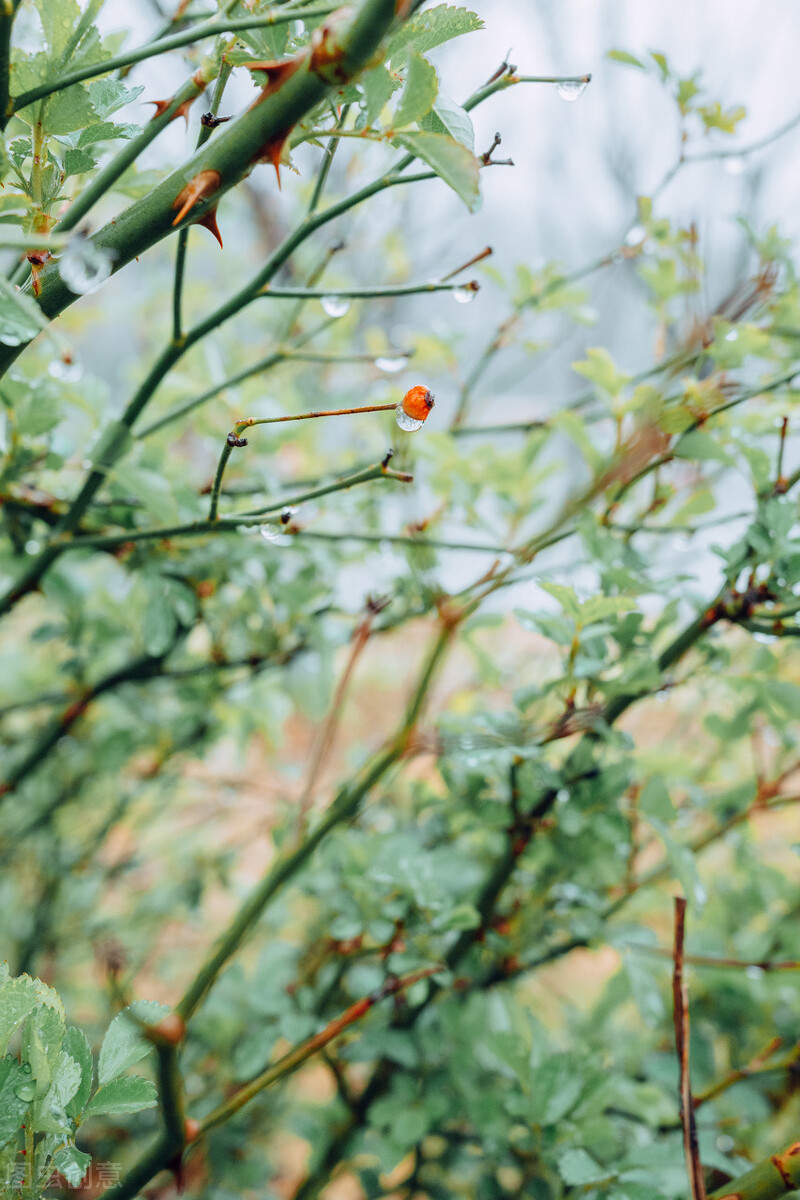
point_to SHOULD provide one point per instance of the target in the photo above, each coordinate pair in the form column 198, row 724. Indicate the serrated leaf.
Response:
column 109, row 95
column 419, row 93
column 13, row 1105
column 449, row 117
column 76, row 1045
column 599, row 368
column 127, row 1094
column 66, row 1081
column 123, row 1044
column 432, row 28
column 18, row 996
column 72, row 1163
column 379, row 85
column 78, row 162
column 451, row 161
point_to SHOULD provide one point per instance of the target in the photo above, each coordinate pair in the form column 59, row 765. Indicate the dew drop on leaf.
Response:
column 335, row 306
column 84, row 266
column 571, row 89
column 391, row 365
column 405, row 421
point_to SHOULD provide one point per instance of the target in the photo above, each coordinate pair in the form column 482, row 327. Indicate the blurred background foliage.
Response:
column 602, row 532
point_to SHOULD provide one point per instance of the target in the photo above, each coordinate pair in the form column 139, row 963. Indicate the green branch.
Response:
column 773, row 1177
column 230, row 524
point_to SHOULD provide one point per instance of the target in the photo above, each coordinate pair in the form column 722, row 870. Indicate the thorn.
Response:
column 272, row 151
column 209, row 222
column 387, row 458
column 182, row 110
column 203, row 185
column 276, row 72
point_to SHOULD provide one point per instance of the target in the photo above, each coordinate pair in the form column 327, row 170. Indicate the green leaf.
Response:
column 451, row 161
column 18, row 997
column 419, row 93
column 700, row 446
column 565, row 596
column 629, row 60
column 123, row 1044
column 72, row 1163
column 599, row 368
column 66, row 1081
column 577, row 1168
column 654, row 800
column 76, row 1045
column 20, row 317
column 379, row 85
column 127, row 1094
column 13, row 1104
column 449, row 117
column 59, row 18
column 77, row 162
column 432, row 28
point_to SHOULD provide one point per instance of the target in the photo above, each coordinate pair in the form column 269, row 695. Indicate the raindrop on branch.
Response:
column 391, row 365
column 275, row 533
column 571, row 89
column 66, row 368
column 84, row 266
column 335, row 306
column 464, row 295
column 635, row 235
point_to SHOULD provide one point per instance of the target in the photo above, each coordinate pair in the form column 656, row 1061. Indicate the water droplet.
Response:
column 732, row 336
column 725, row 1143
column 275, row 533
column 9, row 338
column 84, row 266
column 754, row 972
column 464, row 295
column 335, row 306
column 66, row 368
column 735, row 165
column 405, row 421
column 635, row 235
column 287, row 513
column 571, row 89
column 25, row 1090
column 391, row 365
column 32, row 547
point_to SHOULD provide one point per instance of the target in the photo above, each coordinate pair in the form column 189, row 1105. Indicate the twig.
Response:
column 297, row 1056
column 680, row 1000
column 326, row 735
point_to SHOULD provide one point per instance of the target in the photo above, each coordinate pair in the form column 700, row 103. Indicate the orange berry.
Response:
column 417, row 403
